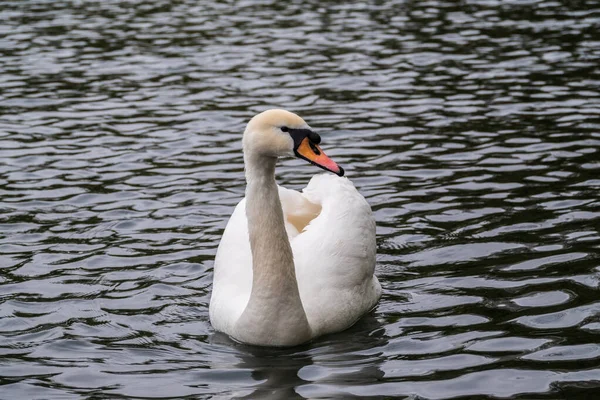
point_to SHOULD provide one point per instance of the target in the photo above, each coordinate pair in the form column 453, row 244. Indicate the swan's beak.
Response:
column 311, row 152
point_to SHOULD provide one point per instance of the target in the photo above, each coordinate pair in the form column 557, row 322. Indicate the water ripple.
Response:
column 471, row 129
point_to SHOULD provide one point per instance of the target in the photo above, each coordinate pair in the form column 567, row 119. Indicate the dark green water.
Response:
column 471, row 127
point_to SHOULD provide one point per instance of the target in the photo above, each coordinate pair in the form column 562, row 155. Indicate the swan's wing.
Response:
column 232, row 281
column 335, row 256
column 298, row 211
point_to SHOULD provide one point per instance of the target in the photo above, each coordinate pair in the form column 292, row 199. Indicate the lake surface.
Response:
column 471, row 127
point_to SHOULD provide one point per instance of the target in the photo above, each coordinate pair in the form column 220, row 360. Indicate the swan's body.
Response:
column 292, row 266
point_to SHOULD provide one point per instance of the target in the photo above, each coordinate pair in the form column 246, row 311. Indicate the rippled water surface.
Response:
column 471, row 127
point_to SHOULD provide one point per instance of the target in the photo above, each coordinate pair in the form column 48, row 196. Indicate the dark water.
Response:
column 471, row 127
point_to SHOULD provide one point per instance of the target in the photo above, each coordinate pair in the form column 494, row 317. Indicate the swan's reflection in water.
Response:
column 350, row 357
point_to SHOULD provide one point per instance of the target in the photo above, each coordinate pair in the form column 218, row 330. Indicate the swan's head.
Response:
column 280, row 133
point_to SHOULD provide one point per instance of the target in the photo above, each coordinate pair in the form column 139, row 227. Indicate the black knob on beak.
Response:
column 314, row 137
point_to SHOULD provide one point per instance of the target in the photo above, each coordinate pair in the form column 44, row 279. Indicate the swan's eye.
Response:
column 285, row 129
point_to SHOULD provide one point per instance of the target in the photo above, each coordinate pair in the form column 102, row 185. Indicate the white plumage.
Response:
column 331, row 232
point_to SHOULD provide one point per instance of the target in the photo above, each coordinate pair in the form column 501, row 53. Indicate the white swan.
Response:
column 292, row 266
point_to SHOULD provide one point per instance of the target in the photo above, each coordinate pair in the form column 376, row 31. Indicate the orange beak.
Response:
column 312, row 153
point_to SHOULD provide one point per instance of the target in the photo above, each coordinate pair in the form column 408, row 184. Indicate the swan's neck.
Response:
column 274, row 314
